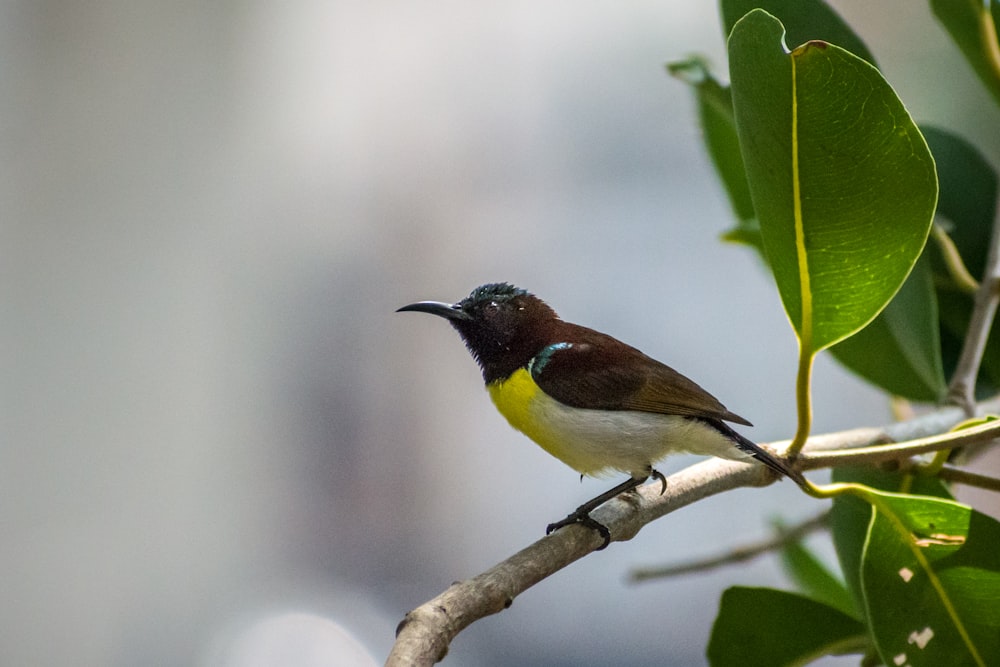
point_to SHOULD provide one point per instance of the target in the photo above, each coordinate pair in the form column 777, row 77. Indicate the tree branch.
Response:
column 740, row 554
column 962, row 389
column 961, row 476
column 860, row 456
column 424, row 635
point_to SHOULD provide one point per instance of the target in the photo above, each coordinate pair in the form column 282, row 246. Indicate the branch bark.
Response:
column 740, row 554
column 424, row 635
column 962, row 389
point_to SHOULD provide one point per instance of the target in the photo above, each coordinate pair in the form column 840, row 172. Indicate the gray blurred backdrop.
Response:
column 212, row 417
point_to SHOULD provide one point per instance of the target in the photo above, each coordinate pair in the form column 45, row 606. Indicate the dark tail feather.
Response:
column 776, row 464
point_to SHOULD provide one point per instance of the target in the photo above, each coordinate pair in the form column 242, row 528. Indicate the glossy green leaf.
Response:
column 973, row 25
column 763, row 626
column 804, row 20
column 930, row 575
column 815, row 580
column 900, row 351
column 715, row 112
column 842, row 181
column 850, row 517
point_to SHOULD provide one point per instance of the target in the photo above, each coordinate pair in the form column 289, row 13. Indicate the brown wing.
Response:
column 598, row 371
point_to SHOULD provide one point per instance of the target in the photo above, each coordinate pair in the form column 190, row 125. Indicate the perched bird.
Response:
column 593, row 402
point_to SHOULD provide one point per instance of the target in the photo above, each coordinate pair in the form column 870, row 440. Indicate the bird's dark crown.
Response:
column 504, row 327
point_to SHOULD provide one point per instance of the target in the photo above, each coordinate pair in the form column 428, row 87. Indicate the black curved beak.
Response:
column 445, row 310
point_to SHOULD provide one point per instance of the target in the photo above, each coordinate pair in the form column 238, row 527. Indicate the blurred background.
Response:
column 220, row 444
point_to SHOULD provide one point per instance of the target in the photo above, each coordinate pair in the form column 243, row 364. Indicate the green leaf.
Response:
column 930, row 575
column 715, row 111
column 900, row 351
column 810, row 19
column 842, row 181
column 763, row 626
column 850, row 517
column 973, row 27
column 804, row 20
column 815, row 579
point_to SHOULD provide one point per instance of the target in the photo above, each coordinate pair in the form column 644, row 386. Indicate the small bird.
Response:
column 595, row 403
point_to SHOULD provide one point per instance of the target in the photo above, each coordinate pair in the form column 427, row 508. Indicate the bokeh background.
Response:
column 220, row 444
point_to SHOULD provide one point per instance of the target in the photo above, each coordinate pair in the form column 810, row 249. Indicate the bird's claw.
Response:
column 656, row 474
column 584, row 519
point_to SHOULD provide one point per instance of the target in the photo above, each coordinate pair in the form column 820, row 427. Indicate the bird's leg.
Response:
column 581, row 514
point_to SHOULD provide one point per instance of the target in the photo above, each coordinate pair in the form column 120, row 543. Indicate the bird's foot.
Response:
column 581, row 514
column 584, row 519
column 656, row 474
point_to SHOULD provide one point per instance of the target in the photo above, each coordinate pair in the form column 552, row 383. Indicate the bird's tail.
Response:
column 773, row 462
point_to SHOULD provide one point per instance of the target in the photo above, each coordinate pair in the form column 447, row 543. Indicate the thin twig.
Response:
column 881, row 453
column 962, row 476
column 740, row 554
column 962, row 390
column 988, row 39
column 953, row 261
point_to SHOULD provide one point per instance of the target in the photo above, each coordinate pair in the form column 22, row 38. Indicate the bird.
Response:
column 595, row 403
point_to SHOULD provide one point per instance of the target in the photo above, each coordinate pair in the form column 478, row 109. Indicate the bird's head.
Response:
column 503, row 326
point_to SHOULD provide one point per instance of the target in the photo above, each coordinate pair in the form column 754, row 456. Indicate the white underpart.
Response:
column 606, row 441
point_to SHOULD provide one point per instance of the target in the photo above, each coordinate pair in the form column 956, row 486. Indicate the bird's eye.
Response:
column 491, row 309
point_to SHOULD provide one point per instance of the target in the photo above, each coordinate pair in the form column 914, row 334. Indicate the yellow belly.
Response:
column 601, row 441
column 516, row 399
